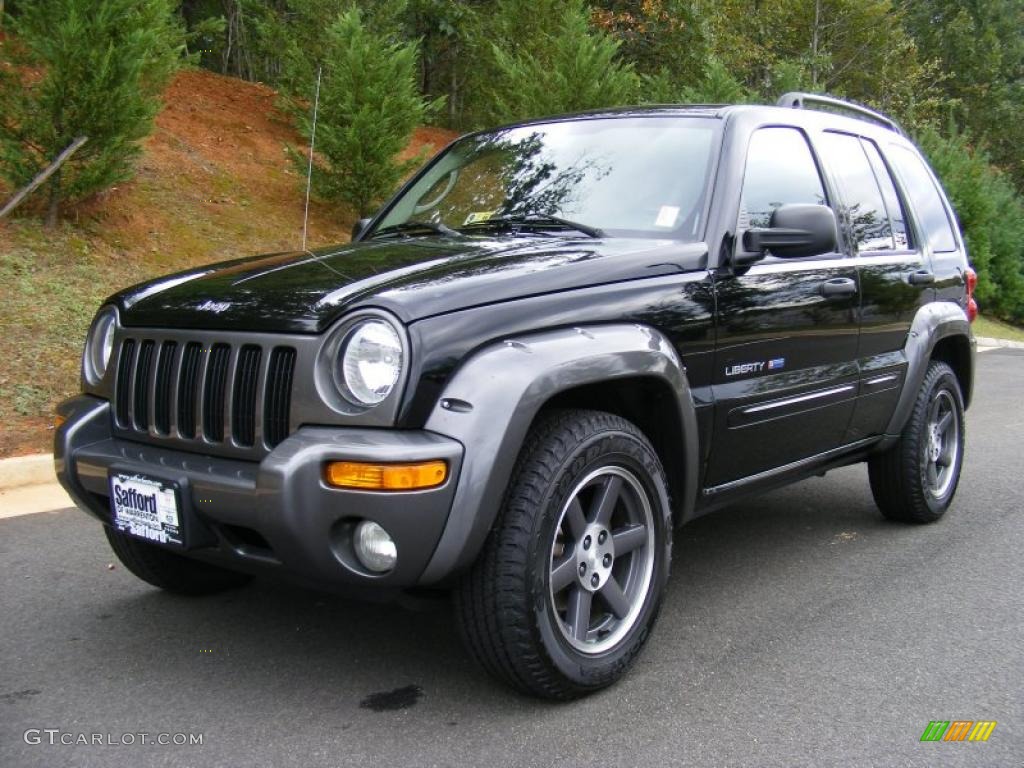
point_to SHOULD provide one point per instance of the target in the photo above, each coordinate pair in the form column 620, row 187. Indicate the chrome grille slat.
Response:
column 205, row 396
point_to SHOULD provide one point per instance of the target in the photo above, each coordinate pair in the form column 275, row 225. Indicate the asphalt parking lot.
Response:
column 799, row 629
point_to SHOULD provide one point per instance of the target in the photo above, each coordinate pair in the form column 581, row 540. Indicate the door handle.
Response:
column 839, row 286
column 921, row 277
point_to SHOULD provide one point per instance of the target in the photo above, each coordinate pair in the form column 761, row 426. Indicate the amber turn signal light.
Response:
column 386, row 477
column 58, row 420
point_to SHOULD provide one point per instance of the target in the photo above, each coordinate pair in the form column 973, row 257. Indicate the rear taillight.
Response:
column 972, row 305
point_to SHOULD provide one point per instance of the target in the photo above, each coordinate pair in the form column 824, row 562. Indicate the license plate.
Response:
column 147, row 508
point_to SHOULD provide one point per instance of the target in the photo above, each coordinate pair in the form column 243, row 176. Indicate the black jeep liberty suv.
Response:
column 558, row 342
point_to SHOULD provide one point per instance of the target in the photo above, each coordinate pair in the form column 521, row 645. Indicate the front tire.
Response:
column 915, row 480
column 566, row 591
column 169, row 571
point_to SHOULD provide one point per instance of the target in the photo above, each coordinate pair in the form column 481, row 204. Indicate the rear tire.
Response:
column 567, row 588
column 169, row 571
column 915, row 480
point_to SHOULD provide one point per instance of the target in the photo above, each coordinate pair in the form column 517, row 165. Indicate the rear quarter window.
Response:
column 924, row 199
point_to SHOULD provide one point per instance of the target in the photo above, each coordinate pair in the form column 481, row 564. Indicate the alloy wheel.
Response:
column 602, row 559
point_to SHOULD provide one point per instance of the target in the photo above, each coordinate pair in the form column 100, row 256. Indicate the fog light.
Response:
column 374, row 547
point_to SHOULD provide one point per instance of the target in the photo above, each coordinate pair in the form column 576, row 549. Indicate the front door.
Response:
column 785, row 374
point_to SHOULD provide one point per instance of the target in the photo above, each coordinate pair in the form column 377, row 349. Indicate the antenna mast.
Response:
column 312, row 143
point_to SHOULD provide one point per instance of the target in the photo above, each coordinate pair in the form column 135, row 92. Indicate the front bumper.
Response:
column 276, row 515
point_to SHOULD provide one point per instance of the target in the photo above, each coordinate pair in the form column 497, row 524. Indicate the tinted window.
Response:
column 863, row 207
column 924, row 198
column 780, row 171
column 892, row 200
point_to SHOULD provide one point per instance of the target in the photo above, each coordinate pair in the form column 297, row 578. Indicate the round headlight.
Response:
column 100, row 345
column 371, row 361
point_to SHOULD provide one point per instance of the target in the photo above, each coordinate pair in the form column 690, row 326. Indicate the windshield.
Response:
column 627, row 177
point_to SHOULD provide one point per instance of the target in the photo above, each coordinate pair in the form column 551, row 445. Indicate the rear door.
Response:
column 895, row 276
column 785, row 373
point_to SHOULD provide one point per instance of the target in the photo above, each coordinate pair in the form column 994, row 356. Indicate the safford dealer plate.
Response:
column 146, row 508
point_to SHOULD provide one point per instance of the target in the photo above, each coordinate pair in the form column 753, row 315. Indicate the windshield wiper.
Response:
column 539, row 221
column 417, row 227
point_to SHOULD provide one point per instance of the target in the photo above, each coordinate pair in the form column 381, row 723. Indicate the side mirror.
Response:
column 794, row 231
column 358, row 228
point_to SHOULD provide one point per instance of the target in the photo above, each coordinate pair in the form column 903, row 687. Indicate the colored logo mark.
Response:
column 958, row 730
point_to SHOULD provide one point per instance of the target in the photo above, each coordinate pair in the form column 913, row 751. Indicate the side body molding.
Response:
column 932, row 323
column 491, row 401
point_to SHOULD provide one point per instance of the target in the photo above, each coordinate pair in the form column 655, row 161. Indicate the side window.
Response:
column 923, row 198
column 892, row 199
column 863, row 207
column 780, row 171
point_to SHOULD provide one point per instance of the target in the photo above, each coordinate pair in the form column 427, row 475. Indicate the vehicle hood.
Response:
column 414, row 278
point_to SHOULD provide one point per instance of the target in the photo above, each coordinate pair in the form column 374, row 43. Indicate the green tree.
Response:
column 369, row 107
column 568, row 67
column 858, row 49
column 991, row 214
column 72, row 68
column 980, row 47
column 666, row 39
column 716, row 85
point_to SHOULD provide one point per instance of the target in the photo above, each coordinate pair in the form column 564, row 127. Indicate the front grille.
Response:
column 236, row 397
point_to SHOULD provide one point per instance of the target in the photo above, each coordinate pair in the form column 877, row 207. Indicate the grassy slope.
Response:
column 997, row 329
column 214, row 183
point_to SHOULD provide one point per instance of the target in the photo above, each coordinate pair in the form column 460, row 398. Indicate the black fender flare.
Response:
column 932, row 323
column 491, row 401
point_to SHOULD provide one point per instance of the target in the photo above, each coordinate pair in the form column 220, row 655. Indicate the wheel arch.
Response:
column 939, row 331
column 955, row 351
column 494, row 398
column 645, row 401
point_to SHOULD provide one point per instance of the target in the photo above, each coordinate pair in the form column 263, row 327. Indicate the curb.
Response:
column 986, row 341
column 27, row 470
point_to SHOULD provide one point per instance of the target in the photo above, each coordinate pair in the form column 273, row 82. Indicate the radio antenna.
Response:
column 312, row 143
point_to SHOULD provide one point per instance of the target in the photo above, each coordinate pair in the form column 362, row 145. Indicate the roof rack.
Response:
column 798, row 100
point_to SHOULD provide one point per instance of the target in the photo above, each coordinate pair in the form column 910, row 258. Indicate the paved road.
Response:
column 799, row 630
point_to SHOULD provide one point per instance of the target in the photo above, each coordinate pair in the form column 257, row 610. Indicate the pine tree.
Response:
column 72, row 68
column 369, row 106
column 565, row 67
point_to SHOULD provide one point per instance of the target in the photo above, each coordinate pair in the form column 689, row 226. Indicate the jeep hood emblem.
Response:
column 214, row 306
